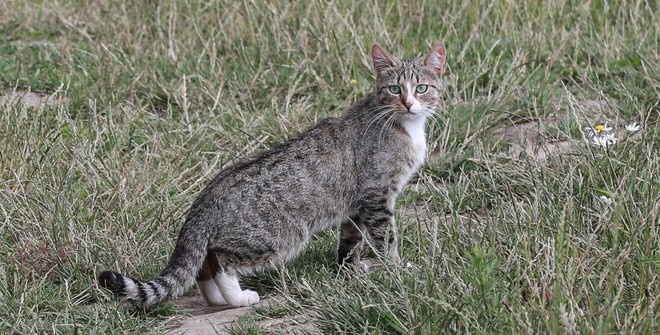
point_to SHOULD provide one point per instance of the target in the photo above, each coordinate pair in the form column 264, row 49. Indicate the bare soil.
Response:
column 199, row 318
column 32, row 99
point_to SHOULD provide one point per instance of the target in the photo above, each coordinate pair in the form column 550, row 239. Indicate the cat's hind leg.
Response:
column 231, row 290
column 206, row 283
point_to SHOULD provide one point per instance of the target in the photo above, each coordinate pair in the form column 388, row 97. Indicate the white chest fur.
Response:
column 415, row 129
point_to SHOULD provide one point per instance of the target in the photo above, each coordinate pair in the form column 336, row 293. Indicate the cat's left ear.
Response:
column 436, row 58
column 382, row 61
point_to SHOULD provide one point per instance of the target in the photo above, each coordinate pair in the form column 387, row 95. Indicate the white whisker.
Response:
column 379, row 113
column 388, row 124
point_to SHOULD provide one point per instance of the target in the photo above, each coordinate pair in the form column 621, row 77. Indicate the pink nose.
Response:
column 407, row 104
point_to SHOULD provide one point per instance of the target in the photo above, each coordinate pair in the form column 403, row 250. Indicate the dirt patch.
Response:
column 37, row 43
column 32, row 99
column 203, row 319
column 530, row 137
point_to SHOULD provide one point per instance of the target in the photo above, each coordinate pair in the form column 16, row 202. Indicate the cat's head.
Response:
column 409, row 87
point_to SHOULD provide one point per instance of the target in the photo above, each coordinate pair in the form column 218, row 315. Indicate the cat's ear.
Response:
column 436, row 58
column 382, row 61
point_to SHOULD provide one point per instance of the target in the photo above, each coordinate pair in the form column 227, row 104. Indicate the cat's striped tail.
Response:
column 174, row 280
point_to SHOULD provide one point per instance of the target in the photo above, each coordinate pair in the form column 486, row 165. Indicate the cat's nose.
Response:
column 407, row 104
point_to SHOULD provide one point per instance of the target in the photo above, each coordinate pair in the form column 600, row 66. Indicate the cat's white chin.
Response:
column 412, row 116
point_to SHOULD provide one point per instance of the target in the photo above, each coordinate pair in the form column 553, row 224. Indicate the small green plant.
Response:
column 481, row 274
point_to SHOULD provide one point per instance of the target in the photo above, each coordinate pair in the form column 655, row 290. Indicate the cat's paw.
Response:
column 250, row 297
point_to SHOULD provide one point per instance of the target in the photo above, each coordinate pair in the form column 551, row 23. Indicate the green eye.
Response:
column 394, row 89
column 421, row 88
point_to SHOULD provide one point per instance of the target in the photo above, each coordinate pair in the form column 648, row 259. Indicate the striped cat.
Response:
column 344, row 172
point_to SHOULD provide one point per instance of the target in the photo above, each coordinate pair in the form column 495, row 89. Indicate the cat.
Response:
column 344, row 172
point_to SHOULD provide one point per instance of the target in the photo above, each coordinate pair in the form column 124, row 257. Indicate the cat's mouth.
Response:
column 409, row 112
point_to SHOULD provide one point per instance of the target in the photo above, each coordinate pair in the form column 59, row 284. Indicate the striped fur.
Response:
column 174, row 280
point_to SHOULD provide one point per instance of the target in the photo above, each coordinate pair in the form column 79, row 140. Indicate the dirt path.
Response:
column 200, row 319
column 32, row 99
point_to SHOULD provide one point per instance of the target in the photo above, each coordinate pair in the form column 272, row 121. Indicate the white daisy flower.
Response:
column 601, row 135
column 633, row 127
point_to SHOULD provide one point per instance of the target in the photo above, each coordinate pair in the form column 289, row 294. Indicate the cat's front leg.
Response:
column 351, row 240
column 378, row 218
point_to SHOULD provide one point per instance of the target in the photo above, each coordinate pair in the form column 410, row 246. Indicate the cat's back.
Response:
column 317, row 164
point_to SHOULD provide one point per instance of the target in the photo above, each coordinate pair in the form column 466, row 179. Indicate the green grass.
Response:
column 164, row 94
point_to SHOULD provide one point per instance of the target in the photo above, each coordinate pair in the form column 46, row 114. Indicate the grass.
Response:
column 163, row 95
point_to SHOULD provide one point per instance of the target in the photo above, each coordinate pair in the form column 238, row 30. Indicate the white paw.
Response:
column 250, row 297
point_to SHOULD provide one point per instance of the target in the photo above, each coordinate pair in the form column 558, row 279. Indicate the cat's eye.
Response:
column 421, row 88
column 394, row 89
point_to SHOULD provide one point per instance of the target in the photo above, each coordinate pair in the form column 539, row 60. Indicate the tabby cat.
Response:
column 344, row 171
